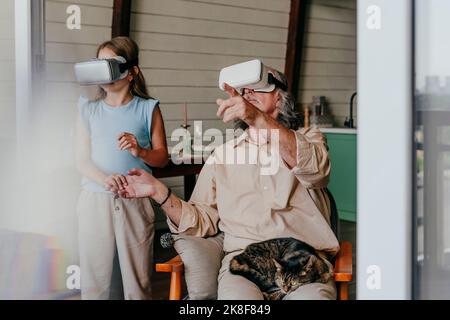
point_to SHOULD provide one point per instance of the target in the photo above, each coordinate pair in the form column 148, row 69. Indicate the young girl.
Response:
column 122, row 129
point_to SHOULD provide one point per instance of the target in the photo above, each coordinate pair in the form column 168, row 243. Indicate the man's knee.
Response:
column 202, row 260
column 314, row 291
column 233, row 287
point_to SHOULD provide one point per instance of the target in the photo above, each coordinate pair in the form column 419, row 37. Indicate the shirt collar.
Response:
column 244, row 137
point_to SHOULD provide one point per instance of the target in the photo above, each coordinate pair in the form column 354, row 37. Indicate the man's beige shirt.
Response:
column 250, row 205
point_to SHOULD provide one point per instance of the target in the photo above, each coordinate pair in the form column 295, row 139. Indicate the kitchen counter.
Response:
column 342, row 143
column 339, row 130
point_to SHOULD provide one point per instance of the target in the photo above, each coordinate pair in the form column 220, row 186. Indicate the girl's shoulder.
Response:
column 87, row 108
column 147, row 103
column 85, row 104
column 146, row 108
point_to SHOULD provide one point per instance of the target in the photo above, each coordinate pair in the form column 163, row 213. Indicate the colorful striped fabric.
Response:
column 31, row 266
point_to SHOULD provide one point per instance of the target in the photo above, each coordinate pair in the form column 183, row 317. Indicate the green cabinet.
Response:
column 342, row 152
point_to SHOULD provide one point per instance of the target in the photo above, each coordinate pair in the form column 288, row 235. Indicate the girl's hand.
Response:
column 142, row 184
column 128, row 141
column 115, row 183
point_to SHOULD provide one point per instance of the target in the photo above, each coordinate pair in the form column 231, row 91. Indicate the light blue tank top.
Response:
column 104, row 124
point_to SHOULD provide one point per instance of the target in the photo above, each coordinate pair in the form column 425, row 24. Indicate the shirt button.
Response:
column 117, row 208
column 265, row 188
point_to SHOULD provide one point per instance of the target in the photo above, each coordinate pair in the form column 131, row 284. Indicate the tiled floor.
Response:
column 160, row 281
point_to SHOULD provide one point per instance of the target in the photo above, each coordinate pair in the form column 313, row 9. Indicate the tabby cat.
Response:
column 279, row 266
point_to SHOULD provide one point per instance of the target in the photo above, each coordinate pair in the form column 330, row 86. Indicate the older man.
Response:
column 247, row 205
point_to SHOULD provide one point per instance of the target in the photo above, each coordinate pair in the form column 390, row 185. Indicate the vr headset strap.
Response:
column 128, row 65
column 272, row 80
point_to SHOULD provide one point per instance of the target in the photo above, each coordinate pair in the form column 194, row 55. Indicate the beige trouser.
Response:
column 111, row 230
column 235, row 287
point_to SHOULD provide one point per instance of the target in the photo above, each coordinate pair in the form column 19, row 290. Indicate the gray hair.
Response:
column 288, row 115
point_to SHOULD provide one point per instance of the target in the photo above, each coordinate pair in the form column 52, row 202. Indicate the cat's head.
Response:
column 290, row 276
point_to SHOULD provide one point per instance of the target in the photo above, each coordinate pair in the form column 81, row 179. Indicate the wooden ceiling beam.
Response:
column 294, row 50
column 121, row 18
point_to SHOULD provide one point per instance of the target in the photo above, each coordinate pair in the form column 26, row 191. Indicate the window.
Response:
column 432, row 150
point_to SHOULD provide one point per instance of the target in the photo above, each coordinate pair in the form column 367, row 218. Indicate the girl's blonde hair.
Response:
column 127, row 48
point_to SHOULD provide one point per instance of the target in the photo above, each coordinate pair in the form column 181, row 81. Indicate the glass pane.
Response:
column 432, row 110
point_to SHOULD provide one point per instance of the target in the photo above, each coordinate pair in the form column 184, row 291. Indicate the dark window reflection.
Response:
column 432, row 137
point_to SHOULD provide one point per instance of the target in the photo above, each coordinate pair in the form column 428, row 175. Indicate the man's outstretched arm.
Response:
column 196, row 217
column 304, row 151
column 238, row 108
column 141, row 184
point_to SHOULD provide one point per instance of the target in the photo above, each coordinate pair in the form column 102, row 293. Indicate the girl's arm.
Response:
column 87, row 168
column 157, row 155
column 83, row 155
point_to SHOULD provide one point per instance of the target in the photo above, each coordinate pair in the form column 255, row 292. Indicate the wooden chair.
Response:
column 342, row 264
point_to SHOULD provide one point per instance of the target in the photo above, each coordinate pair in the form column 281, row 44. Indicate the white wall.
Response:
column 7, row 104
column 7, row 76
column 48, row 189
column 385, row 168
column 65, row 47
column 329, row 55
column 39, row 189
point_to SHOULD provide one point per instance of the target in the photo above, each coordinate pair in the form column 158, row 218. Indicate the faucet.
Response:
column 349, row 120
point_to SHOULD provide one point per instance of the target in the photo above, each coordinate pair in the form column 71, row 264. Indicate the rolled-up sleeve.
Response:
column 313, row 164
column 199, row 215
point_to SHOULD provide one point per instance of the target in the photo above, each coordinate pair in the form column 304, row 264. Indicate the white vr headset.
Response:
column 252, row 74
column 103, row 71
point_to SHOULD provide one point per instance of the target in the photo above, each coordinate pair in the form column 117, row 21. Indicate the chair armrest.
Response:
column 343, row 263
column 173, row 265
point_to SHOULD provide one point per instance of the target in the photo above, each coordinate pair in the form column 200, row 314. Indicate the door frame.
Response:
column 385, row 148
